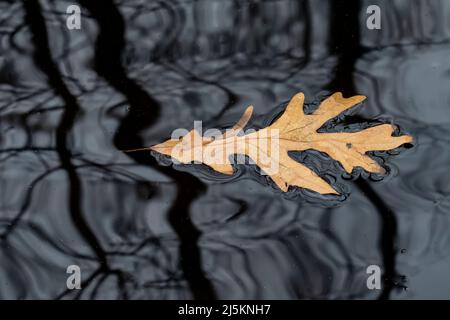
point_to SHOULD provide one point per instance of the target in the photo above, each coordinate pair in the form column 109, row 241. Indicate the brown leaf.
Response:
column 293, row 131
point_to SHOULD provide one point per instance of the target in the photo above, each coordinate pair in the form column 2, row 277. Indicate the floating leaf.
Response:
column 292, row 131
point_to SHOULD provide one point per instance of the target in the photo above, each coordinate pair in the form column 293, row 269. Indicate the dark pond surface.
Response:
column 70, row 100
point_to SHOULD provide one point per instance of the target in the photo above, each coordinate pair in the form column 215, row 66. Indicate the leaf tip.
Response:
column 408, row 138
column 295, row 104
column 299, row 97
column 329, row 190
column 165, row 147
column 352, row 99
column 380, row 170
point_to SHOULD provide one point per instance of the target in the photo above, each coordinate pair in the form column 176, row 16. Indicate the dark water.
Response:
column 71, row 100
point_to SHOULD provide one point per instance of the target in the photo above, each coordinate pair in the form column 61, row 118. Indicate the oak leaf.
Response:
column 292, row 131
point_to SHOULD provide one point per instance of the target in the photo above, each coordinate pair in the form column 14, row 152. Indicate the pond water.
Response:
column 71, row 100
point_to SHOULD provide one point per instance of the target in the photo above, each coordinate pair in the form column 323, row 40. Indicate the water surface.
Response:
column 71, row 100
